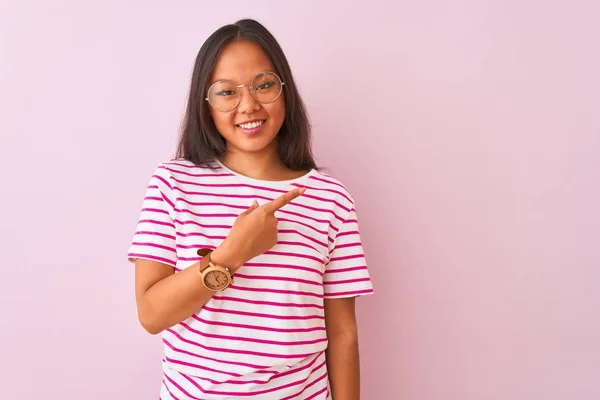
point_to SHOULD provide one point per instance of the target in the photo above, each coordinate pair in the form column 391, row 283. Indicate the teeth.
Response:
column 252, row 125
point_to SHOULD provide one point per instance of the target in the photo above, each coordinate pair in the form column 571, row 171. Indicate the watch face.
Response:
column 215, row 280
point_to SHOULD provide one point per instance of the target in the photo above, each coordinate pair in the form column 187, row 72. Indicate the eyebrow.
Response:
column 232, row 80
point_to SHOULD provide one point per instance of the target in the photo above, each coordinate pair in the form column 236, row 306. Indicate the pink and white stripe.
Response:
column 263, row 337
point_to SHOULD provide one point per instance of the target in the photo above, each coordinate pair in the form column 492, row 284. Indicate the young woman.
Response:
column 247, row 257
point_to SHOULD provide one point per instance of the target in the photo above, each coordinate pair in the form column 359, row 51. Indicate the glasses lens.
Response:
column 223, row 96
column 267, row 87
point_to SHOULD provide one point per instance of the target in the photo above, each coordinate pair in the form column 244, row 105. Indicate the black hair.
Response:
column 201, row 142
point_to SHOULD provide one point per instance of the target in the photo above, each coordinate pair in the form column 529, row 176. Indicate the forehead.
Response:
column 240, row 61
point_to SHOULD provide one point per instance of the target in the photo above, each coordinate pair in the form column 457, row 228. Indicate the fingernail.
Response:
column 254, row 204
column 302, row 190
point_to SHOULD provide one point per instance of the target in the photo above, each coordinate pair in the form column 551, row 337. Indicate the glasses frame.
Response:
column 239, row 91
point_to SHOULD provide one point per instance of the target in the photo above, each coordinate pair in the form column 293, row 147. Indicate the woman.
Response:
column 247, row 257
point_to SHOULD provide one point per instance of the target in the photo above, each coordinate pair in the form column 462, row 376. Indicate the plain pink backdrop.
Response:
column 468, row 132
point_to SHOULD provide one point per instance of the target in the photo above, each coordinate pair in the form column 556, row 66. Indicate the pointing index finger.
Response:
column 284, row 199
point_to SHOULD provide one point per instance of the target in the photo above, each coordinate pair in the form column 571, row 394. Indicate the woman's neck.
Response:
column 261, row 166
column 256, row 166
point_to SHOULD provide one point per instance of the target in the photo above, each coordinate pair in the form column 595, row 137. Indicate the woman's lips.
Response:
column 252, row 128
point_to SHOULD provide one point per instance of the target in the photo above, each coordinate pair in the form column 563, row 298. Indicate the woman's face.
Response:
column 240, row 62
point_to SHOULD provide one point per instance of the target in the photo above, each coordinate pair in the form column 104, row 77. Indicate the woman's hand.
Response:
column 253, row 232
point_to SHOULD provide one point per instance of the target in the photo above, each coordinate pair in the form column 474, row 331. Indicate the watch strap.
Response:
column 205, row 254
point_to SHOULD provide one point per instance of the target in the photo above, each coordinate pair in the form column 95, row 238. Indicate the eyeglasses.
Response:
column 225, row 96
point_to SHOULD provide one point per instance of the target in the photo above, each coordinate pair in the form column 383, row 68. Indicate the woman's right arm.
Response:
column 165, row 298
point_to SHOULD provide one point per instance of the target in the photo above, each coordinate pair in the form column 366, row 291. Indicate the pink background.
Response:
column 468, row 132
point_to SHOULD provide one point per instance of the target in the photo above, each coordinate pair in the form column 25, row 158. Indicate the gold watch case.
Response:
column 214, row 277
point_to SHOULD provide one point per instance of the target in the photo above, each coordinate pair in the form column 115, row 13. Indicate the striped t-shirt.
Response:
column 264, row 336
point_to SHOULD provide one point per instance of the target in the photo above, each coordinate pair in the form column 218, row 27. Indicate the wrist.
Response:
column 222, row 256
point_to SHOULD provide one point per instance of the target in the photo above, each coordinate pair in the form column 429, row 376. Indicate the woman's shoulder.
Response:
column 182, row 172
column 327, row 182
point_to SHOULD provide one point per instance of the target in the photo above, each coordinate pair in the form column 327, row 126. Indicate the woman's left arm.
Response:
column 343, row 364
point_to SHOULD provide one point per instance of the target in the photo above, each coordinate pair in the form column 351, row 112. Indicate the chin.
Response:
column 257, row 146
column 258, row 142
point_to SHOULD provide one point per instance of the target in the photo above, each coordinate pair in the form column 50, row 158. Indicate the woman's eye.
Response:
column 265, row 85
column 225, row 93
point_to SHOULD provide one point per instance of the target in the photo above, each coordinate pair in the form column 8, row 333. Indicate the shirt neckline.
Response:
column 247, row 179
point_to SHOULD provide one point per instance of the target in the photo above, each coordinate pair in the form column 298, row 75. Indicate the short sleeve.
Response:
column 346, row 273
column 154, row 237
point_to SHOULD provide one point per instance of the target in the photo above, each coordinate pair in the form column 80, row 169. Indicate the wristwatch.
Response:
column 214, row 277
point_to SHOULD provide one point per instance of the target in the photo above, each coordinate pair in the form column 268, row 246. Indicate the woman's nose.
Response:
column 248, row 103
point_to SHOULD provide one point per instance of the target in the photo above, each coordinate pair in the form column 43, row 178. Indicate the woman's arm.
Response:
column 165, row 298
column 343, row 364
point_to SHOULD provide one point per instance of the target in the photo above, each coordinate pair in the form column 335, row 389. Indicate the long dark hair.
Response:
column 200, row 142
